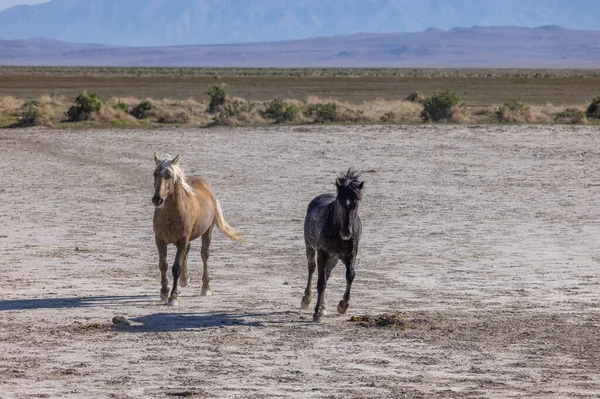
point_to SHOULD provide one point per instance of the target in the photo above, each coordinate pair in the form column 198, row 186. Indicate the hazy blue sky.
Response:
column 9, row 3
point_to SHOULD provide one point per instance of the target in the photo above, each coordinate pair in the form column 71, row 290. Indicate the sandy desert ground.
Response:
column 487, row 239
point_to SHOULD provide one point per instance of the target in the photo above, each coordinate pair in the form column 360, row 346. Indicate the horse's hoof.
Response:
column 183, row 282
column 318, row 318
column 205, row 292
column 323, row 312
column 305, row 302
column 342, row 307
column 173, row 302
column 164, row 296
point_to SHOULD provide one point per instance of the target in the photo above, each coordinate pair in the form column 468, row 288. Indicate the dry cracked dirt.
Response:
column 485, row 239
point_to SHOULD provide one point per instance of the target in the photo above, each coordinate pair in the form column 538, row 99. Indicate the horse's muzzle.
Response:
column 157, row 201
column 346, row 235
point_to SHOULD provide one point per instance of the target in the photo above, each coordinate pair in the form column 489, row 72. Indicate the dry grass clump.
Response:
column 513, row 111
column 458, row 114
column 9, row 104
column 54, row 100
column 33, row 113
column 107, row 113
column 179, row 118
column 391, row 111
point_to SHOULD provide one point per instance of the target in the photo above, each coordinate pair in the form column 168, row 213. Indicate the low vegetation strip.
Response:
column 222, row 109
column 468, row 73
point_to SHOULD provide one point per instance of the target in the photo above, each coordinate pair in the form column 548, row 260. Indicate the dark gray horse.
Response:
column 332, row 231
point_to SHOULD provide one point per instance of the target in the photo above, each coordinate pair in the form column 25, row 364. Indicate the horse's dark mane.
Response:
column 348, row 185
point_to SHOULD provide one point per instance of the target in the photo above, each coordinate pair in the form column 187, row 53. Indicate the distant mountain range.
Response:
column 476, row 47
column 189, row 22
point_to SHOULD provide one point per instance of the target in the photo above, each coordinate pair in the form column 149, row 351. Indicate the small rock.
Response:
column 121, row 321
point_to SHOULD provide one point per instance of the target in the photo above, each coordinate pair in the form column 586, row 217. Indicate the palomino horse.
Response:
column 332, row 231
column 185, row 209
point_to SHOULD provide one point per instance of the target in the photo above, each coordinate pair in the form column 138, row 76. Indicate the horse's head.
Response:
column 164, row 178
column 349, row 194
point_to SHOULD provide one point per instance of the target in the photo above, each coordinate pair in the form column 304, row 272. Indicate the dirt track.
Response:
column 486, row 238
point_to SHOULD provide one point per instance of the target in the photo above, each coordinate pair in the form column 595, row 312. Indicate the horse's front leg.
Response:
column 329, row 265
column 321, row 284
column 164, row 267
column 181, row 251
column 185, row 274
column 350, row 261
column 325, row 265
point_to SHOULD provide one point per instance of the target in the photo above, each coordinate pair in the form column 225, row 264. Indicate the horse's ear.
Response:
column 175, row 160
column 337, row 185
column 360, row 186
column 156, row 159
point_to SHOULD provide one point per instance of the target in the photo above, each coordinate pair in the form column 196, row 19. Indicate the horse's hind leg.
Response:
column 184, row 280
column 206, row 237
column 350, row 273
column 164, row 267
column 312, row 264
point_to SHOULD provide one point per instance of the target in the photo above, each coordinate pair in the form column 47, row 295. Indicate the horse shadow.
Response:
column 156, row 322
column 170, row 322
column 74, row 302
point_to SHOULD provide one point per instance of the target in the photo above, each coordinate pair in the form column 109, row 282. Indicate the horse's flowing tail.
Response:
column 225, row 228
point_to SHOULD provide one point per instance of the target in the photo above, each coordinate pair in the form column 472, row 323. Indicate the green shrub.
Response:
column 515, row 105
column 120, row 105
column 439, row 106
column 218, row 96
column 31, row 114
column 280, row 111
column 143, row 110
column 571, row 116
column 500, row 114
column 593, row 111
column 177, row 118
column 85, row 105
column 388, row 117
column 512, row 111
column 231, row 111
column 322, row 112
column 415, row 97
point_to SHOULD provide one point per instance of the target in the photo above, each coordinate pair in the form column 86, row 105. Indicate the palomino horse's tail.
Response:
column 225, row 228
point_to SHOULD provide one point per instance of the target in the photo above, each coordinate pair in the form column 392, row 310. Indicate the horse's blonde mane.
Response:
column 178, row 175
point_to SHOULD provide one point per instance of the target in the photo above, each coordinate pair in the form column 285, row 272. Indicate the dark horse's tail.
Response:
column 225, row 228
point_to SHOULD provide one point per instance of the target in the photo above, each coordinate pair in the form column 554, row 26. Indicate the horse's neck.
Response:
column 177, row 198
